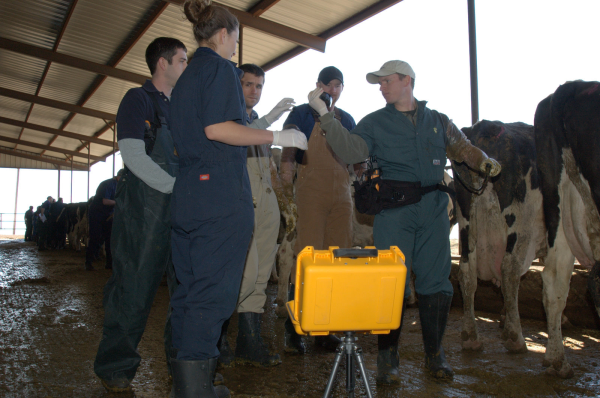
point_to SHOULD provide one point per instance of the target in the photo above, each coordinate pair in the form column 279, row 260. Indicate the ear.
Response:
column 162, row 64
column 223, row 35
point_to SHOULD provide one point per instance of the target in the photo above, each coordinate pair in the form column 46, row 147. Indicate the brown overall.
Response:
column 323, row 196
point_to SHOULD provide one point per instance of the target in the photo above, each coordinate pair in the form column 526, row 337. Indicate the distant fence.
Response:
column 7, row 224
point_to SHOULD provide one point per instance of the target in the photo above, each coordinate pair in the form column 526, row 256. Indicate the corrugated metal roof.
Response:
column 36, row 22
column 108, row 32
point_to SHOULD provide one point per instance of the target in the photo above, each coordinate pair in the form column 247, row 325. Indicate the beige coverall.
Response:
column 263, row 247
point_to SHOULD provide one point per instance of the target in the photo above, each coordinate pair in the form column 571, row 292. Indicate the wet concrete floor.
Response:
column 51, row 320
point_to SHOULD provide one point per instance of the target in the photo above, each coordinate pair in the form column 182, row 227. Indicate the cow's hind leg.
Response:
column 468, row 285
column 285, row 255
column 511, row 276
column 558, row 267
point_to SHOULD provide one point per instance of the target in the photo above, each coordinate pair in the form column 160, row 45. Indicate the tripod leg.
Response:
column 336, row 367
column 350, row 376
column 361, row 366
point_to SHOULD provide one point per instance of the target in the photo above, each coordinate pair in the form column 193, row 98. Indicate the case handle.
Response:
column 355, row 253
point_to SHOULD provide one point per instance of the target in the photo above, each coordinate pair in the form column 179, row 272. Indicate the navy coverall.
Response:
column 100, row 221
column 212, row 210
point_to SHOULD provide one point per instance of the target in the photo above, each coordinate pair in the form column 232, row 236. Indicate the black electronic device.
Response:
column 326, row 99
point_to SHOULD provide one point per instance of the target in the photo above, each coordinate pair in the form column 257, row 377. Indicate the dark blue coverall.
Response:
column 100, row 221
column 212, row 210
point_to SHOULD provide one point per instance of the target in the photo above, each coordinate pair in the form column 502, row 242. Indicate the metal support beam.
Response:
column 58, row 196
column 48, row 148
column 261, row 7
column 34, row 156
column 88, row 170
column 336, row 30
column 273, row 28
column 16, row 200
column 50, row 130
column 71, row 201
column 56, row 104
column 49, row 55
column 473, row 62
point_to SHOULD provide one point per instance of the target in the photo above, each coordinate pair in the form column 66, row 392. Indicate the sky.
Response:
column 525, row 49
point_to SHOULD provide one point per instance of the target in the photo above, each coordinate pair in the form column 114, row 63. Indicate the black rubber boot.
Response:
column 250, row 347
column 329, row 342
column 293, row 342
column 388, row 359
column 226, row 357
column 218, row 378
column 433, row 311
column 193, row 379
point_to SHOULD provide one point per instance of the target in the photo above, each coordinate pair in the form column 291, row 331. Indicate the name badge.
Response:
column 436, row 162
column 204, row 177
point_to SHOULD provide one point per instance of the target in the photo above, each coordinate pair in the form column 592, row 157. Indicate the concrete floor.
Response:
column 51, row 319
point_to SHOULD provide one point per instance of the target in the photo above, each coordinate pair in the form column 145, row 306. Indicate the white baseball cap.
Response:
column 389, row 68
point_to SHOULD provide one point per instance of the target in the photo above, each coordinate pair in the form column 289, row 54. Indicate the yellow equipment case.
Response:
column 341, row 290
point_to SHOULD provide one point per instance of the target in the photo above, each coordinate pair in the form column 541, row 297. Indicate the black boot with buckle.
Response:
column 250, row 347
column 433, row 311
column 194, row 379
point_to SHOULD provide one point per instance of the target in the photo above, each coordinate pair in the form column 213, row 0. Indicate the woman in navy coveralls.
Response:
column 212, row 209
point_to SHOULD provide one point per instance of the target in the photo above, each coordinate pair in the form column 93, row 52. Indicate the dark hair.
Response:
column 208, row 19
column 412, row 81
column 162, row 47
column 254, row 69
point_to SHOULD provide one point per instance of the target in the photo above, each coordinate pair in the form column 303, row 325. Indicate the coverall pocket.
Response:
column 212, row 192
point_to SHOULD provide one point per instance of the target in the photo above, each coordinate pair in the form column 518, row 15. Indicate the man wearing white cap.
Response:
column 410, row 142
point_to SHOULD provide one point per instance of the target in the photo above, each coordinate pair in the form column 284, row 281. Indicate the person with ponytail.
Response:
column 212, row 209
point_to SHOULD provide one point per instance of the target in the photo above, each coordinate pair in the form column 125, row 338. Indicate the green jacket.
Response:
column 404, row 152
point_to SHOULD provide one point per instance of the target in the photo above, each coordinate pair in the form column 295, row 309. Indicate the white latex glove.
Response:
column 285, row 105
column 495, row 166
column 317, row 103
column 290, row 138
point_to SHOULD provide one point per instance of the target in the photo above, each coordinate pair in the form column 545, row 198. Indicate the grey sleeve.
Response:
column 260, row 124
column 351, row 148
column 133, row 153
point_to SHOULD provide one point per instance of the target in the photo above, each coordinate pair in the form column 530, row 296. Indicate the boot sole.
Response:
column 244, row 361
column 115, row 389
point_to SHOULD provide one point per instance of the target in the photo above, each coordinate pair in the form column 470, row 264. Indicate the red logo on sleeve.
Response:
column 204, row 177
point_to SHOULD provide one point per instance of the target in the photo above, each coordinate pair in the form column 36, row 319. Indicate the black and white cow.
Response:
column 77, row 224
column 567, row 136
column 501, row 230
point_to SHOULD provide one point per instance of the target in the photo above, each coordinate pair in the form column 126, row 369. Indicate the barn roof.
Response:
column 66, row 64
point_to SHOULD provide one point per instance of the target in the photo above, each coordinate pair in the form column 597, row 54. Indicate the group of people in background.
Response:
column 47, row 225
column 199, row 201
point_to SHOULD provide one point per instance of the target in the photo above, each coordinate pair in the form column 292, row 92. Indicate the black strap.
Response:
column 355, row 253
column 157, row 110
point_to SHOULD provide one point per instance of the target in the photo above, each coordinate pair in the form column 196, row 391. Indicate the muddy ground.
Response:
column 51, row 318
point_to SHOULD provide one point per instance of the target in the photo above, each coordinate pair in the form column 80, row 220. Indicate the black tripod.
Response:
column 353, row 352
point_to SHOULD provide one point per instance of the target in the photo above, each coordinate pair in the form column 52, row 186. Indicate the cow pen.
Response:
column 51, row 320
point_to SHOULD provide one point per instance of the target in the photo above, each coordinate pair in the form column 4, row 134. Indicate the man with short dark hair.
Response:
column 141, row 238
column 44, row 223
column 28, row 224
column 322, row 188
column 250, row 347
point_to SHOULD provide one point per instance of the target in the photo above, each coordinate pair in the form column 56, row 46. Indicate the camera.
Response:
column 326, row 98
